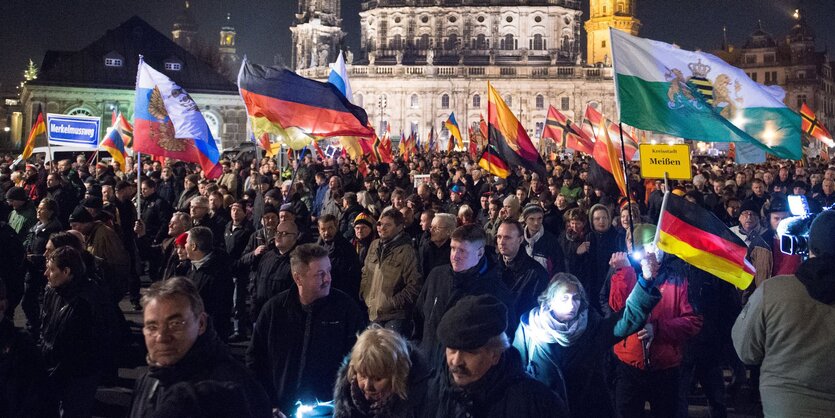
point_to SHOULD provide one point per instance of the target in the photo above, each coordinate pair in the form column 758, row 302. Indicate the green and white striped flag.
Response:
column 696, row 95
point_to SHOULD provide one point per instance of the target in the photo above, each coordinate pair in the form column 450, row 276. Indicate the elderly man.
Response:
column 104, row 243
column 525, row 278
column 200, row 212
column 751, row 230
column 481, row 375
column 434, row 251
column 272, row 270
column 391, row 277
column 187, row 360
column 210, row 273
column 303, row 333
column 344, row 259
column 470, row 272
column 163, row 251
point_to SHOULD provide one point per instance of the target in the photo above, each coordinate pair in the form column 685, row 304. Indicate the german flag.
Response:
column 509, row 137
column 812, row 126
column 38, row 128
column 698, row 237
column 493, row 163
column 564, row 132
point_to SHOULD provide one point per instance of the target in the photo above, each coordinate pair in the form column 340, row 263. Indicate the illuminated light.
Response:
column 739, row 120
column 671, row 142
column 317, row 409
column 770, row 135
column 796, row 14
column 6, row 129
column 653, row 142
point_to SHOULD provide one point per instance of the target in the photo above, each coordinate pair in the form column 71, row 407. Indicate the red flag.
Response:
column 563, row 131
column 482, row 126
column 607, row 155
column 318, row 149
column 596, row 120
column 813, row 127
column 473, row 146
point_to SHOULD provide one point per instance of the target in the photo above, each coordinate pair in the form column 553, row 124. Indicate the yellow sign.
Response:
column 671, row 159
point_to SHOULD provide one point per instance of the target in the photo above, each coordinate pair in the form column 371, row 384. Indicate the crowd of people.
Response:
column 456, row 295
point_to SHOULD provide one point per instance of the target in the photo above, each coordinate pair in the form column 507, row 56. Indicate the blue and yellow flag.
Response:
column 454, row 132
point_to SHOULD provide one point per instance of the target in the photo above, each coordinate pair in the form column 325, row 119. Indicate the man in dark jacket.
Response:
column 350, row 210
column 481, row 375
column 183, row 349
column 201, row 216
column 164, row 251
column 236, row 237
column 77, row 336
column 525, row 278
column 347, row 270
column 303, row 333
column 64, row 195
column 434, row 251
column 210, row 274
column 540, row 244
column 470, row 272
column 272, row 271
column 190, row 192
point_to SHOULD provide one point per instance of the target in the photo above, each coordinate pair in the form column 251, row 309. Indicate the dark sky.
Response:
column 29, row 27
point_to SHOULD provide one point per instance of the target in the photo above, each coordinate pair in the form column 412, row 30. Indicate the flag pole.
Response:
column 626, row 183
column 138, row 186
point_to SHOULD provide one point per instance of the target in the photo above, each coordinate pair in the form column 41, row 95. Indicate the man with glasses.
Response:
column 471, row 272
column 391, row 278
column 434, row 251
column 187, row 361
column 272, row 271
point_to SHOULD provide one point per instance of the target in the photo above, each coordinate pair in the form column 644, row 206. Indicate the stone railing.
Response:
column 465, row 71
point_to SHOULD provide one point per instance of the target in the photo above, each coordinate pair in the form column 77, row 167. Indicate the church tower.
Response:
column 228, row 51
column 317, row 33
column 184, row 31
column 603, row 14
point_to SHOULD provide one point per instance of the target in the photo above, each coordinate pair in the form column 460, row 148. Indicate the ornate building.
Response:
column 101, row 78
column 420, row 60
column 230, row 61
column 605, row 14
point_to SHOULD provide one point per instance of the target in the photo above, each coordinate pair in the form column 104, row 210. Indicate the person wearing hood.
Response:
column 384, row 376
column 391, row 279
column 603, row 242
column 184, row 352
column 540, row 244
column 786, row 328
column 751, row 230
column 479, row 373
column 471, row 272
column 564, row 340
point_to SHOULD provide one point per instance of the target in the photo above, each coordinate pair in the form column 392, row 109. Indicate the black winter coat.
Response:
column 601, row 248
column 526, row 279
column 297, row 350
column 214, row 283
column 346, row 221
column 272, row 276
column 156, row 213
column 431, row 256
column 235, row 241
column 347, row 405
column 21, row 372
column 208, row 361
column 504, row 392
column 346, row 270
column 443, row 288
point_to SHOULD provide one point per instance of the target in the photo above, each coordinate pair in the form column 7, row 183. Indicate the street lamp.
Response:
column 382, row 103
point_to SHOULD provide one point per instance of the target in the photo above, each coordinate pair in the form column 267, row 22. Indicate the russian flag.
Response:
column 339, row 78
column 284, row 99
column 168, row 123
column 114, row 143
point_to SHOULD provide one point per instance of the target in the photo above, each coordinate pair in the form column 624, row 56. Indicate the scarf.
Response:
column 545, row 328
column 532, row 239
column 381, row 408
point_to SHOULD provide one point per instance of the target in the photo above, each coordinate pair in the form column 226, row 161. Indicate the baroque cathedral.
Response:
column 420, row 60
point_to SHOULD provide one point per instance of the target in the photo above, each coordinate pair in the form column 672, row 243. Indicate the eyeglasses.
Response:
column 283, row 234
column 437, row 228
column 174, row 326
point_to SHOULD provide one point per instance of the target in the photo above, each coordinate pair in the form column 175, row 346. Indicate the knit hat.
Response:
column 81, row 215
column 511, row 200
column 269, row 209
column 821, row 233
column 287, row 207
column 92, row 202
column 749, row 205
column 274, row 194
column 472, row 322
column 456, row 188
column 181, row 240
column 530, row 209
column 364, row 219
column 17, row 193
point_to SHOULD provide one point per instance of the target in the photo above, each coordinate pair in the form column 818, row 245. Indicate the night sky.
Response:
column 31, row 27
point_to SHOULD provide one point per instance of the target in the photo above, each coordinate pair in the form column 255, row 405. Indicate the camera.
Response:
column 794, row 231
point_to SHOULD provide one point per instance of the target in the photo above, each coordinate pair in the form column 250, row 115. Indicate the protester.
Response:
column 272, row 274
column 211, row 275
column 525, row 278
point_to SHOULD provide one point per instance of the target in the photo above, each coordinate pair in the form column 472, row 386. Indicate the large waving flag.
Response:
column 563, row 131
column 813, row 127
column 698, row 237
column 38, row 128
column 493, row 162
column 454, row 132
column 114, row 142
column 696, row 95
column 339, row 77
column 509, row 137
column 168, row 123
column 598, row 122
column 608, row 156
column 279, row 99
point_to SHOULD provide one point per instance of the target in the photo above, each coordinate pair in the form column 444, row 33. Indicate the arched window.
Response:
column 423, row 42
column 451, row 42
column 540, row 102
column 477, row 101
column 414, row 101
column 445, row 101
column 480, row 42
column 509, row 100
column 621, row 7
column 396, row 43
column 538, row 43
column 508, row 43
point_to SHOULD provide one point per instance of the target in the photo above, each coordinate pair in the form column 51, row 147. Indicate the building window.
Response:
column 621, row 7
column 414, row 102
column 423, row 42
column 565, row 103
column 451, row 42
column 477, row 101
column 113, row 62
column 603, row 44
column 750, row 59
column 540, row 102
column 480, row 42
column 801, row 98
column 509, row 100
column 396, row 43
column 414, row 128
column 173, row 66
column 537, row 44
column 754, row 76
column 507, row 43
column 445, row 101
column 539, row 127
column 768, row 58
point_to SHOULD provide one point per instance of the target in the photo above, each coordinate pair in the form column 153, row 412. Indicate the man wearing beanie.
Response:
column 751, row 230
column 786, row 328
column 23, row 217
column 540, row 244
column 481, row 375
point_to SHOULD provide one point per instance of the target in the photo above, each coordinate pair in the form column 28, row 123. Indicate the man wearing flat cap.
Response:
column 481, row 374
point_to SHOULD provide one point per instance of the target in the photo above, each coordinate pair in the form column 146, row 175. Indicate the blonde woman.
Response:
column 382, row 377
